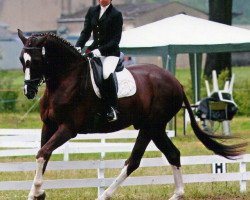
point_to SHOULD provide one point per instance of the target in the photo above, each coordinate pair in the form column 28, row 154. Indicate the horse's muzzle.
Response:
column 29, row 92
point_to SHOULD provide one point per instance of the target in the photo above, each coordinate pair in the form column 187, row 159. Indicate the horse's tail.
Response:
column 227, row 151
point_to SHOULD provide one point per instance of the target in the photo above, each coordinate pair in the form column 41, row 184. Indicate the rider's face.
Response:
column 104, row 2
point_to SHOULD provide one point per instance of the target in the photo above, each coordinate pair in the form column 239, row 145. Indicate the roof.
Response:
column 183, row 30
column 129, row 11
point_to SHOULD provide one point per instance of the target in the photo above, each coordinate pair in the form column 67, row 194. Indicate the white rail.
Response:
column 242, row 176
column 26, row 142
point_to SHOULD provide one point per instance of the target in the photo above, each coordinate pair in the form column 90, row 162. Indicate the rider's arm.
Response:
column 86, row 32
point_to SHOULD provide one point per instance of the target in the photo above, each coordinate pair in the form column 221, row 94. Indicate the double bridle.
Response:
column 37, row 82
column 33, row 48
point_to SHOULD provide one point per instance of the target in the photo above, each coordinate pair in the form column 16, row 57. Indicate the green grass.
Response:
column 16, row 76
column 212, row 191
column 19, row 120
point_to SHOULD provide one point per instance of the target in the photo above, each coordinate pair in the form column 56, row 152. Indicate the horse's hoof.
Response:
column 104, row 198
column 177, row 197
column 41, row 197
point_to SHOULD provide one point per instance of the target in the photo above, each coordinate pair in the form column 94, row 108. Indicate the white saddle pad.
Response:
column 126, row 83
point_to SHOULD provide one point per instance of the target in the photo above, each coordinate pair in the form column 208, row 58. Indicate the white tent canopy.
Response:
column 184, row 34
column 183, row 30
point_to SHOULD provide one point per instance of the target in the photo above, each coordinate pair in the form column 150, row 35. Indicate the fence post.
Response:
column 101, row 171
column 226, row 127
column 66, row 152
column 243, row 182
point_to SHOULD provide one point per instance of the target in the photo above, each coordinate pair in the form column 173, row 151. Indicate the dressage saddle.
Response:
column 96, row 65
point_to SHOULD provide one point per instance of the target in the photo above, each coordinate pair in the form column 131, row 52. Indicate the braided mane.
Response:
column 59, row 40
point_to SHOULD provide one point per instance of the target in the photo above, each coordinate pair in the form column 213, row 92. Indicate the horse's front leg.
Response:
column 48, row 130
column 36, row 193
column 52, row 141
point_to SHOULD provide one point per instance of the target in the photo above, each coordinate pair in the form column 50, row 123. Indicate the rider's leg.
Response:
column 109, row 65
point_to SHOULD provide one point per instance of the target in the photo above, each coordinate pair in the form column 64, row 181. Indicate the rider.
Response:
column 105, row 21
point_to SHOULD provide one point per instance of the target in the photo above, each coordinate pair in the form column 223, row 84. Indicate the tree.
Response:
column 219, row 11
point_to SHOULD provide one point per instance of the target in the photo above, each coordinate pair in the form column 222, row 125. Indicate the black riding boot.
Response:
column 110, row 97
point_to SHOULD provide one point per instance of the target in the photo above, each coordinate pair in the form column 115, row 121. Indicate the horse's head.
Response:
column 32, row 59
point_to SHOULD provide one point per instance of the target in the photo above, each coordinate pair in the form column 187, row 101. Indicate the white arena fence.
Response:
column 26, row 142
column 31, row 137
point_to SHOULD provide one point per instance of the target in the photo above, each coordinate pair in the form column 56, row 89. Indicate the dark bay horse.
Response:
column 69, row 106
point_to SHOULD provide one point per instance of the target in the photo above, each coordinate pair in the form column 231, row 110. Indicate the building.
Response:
column 5, row 34
column 67, row 18
column 30, row 15
column 134, row 15
column 38, row 15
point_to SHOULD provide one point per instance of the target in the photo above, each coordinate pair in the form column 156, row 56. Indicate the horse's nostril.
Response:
column 30, row 95
column 29, row 92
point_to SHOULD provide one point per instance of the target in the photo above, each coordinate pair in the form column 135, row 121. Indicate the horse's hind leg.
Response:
column 165, row 145
column 131, row 164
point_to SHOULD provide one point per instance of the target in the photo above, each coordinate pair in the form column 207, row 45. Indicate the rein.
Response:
column 35, row 83
column 32, row 48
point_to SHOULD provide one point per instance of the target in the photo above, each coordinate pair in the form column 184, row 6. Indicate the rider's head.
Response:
column 104, row 2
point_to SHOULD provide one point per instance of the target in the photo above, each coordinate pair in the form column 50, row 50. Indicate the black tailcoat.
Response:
column 106, row 31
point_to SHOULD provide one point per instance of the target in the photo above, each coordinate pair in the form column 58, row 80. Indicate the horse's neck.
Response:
column 60, row 56
column 60, row 52
column 74, row 75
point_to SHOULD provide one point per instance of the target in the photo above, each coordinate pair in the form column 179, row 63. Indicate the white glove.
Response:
column 79, row 49
column 96, row 53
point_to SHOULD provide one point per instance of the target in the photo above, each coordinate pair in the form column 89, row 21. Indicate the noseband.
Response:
column 32, row 48
column 35, row 82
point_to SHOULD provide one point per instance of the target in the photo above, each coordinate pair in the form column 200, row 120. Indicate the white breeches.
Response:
column 109, row 64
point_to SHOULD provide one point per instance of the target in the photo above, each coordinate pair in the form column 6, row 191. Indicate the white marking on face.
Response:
column 43, row 51
column 27, row 74
column 26, row 57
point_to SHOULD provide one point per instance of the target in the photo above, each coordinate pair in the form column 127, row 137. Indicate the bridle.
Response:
column 32, row 48
column 34, row 83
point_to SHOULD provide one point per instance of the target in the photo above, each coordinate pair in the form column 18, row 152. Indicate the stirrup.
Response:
column 113, row 112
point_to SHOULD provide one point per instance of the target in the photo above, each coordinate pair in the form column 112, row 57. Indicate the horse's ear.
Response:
column 21, row 36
